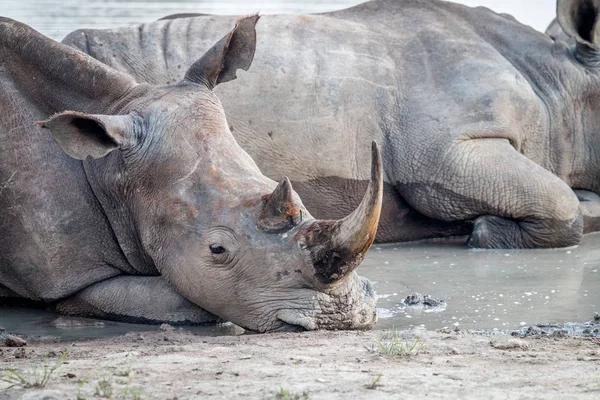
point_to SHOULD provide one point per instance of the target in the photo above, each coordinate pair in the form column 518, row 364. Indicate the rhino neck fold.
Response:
column 119, row 216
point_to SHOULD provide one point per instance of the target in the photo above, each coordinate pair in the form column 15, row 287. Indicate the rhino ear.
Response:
column 579, row 20
column 81, row 135
column 235, row 51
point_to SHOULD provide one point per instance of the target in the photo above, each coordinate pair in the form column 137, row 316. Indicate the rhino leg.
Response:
column 135, row 299
column 514, row 202
column 589, row 202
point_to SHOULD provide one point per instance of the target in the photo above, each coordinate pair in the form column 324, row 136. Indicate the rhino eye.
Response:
column 216, row 249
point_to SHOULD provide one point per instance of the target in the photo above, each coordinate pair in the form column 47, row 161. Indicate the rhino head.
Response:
column 184, row 200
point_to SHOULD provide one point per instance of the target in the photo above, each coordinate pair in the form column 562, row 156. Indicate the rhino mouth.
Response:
column 293, row 320
column 353, row 308
column 286, row 327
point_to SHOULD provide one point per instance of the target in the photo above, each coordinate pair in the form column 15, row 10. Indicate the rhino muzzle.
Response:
column 331, row 250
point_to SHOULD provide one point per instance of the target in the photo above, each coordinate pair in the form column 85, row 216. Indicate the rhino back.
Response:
column 159, row 52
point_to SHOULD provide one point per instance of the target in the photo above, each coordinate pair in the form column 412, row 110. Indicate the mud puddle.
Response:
column 45, row 325
column 482, row 290
column 485, row 289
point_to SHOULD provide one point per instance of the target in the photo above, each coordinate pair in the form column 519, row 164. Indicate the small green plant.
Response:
column 80, row 383
column 374, row 383
column 40, row 374
column 104, row 388
column 14, row 379
column 130, row 393
column 391, row 344
column 285, row 394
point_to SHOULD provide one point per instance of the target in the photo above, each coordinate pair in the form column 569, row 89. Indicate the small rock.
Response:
column 596, row 317
column 4, row 330
column 13, row 341
column 510, row 344
column 70, row 375
column 20, row 353
column 534, row 330
column 417, row 299
column 559, row 333
column 453, row 352
column 166, row 328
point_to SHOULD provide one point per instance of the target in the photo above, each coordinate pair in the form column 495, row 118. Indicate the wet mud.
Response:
column 487, row 290
column 479, row 290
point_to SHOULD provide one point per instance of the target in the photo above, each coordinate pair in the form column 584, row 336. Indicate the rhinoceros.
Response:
column 489, row 127
column 133, row 202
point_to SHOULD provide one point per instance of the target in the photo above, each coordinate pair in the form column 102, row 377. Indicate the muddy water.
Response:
column 482, row 289
column 486, row 289
column 39, row 324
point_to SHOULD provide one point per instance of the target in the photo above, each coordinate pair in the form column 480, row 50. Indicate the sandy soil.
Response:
column 317, row 365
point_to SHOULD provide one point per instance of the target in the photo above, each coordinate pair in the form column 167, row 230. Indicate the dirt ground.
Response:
column 318, row 365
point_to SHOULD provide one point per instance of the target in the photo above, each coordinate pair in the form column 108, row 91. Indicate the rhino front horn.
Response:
column 336, row 248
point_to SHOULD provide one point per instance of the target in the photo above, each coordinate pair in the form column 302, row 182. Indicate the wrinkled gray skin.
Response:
column 488, row 126
column 557, row 34
column 137, row 204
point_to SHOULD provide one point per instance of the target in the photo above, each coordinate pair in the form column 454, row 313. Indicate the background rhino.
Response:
column 155, row 211
column 489, row 126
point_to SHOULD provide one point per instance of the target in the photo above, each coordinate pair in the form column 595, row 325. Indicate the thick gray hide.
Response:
column 483, row 120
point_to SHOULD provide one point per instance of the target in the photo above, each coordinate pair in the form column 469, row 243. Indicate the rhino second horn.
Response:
column 336, row 248
column 279, row 211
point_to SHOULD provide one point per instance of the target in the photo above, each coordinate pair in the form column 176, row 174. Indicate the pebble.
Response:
column 511, row 344
column 12, row 341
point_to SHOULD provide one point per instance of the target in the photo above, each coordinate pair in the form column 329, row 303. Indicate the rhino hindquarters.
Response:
column 135, row 299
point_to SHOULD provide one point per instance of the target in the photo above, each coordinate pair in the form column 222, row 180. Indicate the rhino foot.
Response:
column 492, row 232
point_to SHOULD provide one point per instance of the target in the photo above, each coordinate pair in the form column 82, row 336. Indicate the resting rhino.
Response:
column 489, row 127
column 134, row 202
